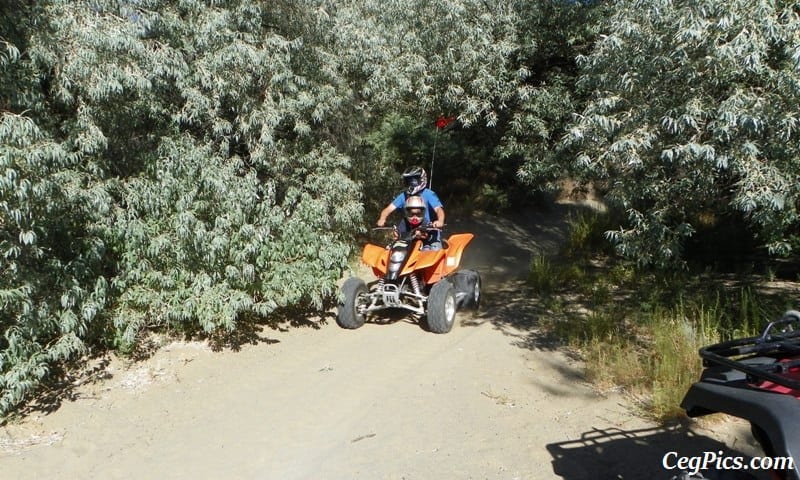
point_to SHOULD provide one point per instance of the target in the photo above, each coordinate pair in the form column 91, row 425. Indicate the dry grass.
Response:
column 639, row 332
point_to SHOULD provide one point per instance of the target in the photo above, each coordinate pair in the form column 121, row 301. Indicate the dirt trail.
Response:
column 490, row 400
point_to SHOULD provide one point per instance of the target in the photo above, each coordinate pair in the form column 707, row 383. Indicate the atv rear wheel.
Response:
column 467, row 284
column 441, row 307
column 348, row 316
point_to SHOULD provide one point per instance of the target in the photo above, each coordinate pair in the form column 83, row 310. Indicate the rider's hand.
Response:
column 381, row 222
column 437, row 224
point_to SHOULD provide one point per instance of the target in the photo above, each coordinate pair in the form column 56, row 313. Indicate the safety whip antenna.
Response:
column 433, row 159
column 441, row 123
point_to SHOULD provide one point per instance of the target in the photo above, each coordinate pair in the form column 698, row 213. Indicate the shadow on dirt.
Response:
column 502, row 252
column 254, row 330
column 394, row 315
column 63, row 386
column 634, row 454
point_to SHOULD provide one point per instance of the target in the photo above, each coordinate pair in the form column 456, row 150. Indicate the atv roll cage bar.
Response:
column 780, row 339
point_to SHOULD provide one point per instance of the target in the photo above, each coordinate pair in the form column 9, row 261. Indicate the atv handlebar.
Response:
column 427, row 226
column 409, row 234
column 430, row 228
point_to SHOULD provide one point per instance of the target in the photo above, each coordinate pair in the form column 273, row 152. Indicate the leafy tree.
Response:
column 693, row 111
column 51, row 287
column 165, row 164
column 411, row 61
column 552, row 34
column 508, row 66
column 247, row 206
column 430, row 57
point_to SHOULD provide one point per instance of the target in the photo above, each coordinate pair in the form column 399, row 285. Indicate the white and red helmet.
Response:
column 415, row 210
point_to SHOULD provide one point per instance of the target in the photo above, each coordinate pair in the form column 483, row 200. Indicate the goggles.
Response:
column 415, row 212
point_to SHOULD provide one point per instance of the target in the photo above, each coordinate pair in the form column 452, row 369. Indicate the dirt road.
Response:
column 490, row 400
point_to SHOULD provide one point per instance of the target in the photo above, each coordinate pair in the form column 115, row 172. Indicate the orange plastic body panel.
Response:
column 376, row 257
column 433, row 264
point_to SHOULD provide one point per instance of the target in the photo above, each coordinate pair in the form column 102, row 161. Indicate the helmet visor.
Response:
column 412, row 182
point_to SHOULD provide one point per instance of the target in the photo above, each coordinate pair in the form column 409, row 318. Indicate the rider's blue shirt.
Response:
column 431, row 200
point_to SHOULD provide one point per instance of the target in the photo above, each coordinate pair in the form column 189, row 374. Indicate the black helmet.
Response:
column 415, row 180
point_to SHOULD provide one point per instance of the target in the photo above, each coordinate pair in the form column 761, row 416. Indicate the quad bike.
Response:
column 756, row 379
column 425, row 282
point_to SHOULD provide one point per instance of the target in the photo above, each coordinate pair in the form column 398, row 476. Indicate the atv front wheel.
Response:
column 441, row 307
column 348, row 316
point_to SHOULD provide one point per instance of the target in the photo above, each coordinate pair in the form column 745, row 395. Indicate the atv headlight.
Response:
column 397, row 256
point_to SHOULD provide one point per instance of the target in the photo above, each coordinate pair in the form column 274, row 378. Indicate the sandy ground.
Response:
column 489, row 400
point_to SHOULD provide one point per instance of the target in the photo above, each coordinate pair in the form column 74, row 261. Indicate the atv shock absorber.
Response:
column 415, row 283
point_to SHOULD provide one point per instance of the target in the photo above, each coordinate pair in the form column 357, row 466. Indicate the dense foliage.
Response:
column 186, row 165
column 168, row 165
column 693, row 118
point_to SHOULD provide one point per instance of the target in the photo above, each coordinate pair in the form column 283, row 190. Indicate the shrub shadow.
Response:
column 501, row 252
column 63, row 386
column 252, row 330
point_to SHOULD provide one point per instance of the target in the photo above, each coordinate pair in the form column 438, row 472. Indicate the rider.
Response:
column 415, row 182
column 414, row 214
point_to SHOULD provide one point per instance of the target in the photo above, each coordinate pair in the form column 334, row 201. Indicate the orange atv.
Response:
column 425, row 282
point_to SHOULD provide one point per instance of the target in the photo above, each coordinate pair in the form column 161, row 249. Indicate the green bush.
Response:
column 149, row 182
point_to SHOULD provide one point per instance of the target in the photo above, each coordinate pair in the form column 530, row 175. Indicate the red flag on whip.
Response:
column 443, row 121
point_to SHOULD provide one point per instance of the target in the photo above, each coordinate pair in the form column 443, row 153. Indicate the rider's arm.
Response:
column 439, row 223
column 435, row 204
column 385, row 214
column 398, row 202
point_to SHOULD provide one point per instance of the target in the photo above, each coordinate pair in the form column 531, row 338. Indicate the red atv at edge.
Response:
column 425, row 282
column 756, row 379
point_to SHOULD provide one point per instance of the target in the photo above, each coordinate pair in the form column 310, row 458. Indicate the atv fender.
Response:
column 777, row 416
column 376, row 257
column 456, row 245
column 422, row 260
column 452, row 257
